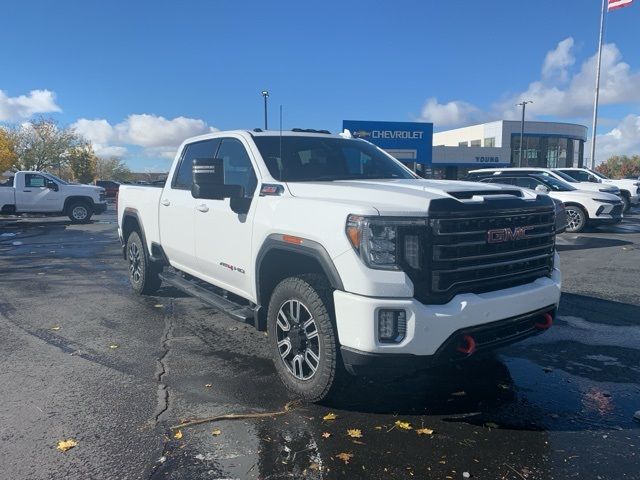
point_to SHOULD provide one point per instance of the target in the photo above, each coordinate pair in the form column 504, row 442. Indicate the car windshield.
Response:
column 314, row 158
column 57, row 179
column 565, row 177
column 555, row 184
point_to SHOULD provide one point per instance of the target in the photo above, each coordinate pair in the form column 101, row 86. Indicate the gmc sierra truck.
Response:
column 44, row 193
column 351, row 262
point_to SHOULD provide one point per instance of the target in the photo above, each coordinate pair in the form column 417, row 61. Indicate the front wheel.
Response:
column 576, row 218
column 302, row 335
column 143, row 275
column 80, row 212
column 626, row 203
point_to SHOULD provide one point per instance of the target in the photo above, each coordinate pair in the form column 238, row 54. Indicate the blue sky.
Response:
column 123, row 72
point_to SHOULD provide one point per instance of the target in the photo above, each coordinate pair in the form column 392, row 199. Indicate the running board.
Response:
column 242, row 313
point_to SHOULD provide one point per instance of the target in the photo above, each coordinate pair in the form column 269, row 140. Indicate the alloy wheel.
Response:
column 80, row 212
column 135, row 263
column 574, row 219
column 298, row 339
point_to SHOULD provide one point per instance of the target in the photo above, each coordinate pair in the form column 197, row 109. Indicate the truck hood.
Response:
column 624, row 183
column 393, row 196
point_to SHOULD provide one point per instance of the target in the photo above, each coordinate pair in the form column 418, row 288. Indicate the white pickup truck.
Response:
column 44, row 193
column 350, row 262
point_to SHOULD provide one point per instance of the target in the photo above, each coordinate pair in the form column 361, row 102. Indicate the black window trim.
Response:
column 251, row 161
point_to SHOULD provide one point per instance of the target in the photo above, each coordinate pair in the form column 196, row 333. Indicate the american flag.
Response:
column 615, row 4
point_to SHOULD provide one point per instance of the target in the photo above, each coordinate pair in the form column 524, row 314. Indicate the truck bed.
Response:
column 145, row 201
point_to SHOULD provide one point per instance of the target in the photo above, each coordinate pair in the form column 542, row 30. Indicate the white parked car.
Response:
column 351, row 262
column 629, row 189
column 582, row 207
column 44, row 193
column 550, row 172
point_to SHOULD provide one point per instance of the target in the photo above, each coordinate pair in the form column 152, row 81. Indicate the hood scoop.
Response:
column 481, row 195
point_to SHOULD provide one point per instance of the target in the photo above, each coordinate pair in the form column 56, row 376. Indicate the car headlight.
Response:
column 386, row 243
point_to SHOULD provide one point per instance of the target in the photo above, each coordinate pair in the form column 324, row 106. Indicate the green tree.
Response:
column 112, row 168
column 8, row 156
column 620, row 166
column 82, row 162
column 43, row 144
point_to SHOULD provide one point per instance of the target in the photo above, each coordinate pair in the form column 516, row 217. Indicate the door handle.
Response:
column 203, row 208
column 29, row 191
column 165, row 202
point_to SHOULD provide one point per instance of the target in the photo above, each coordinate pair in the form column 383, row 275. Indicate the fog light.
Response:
column 392, row 325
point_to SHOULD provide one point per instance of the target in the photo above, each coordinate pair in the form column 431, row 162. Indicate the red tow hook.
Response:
column 468, row 345
column 548, row 322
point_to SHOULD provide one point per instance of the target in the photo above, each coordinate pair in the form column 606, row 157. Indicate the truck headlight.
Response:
column 385, row 243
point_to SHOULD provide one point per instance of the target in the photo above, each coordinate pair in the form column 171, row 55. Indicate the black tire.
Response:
column 143, row 275
column 626, row 203
column 314, row 293
column 576, row 219
column 80, row 212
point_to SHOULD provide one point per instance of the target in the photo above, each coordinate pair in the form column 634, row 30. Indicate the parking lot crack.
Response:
column 161, row 366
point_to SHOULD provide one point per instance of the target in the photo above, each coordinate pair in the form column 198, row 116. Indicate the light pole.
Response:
column 265, row 94
column 524, row 105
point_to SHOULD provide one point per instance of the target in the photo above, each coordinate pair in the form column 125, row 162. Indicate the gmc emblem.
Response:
column 500, row 235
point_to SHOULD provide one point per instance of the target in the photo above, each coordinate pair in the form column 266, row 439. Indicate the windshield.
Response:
column 565, row 177
column 598, row 174
column 308, row 159
column 556, row 185
column 57, row 179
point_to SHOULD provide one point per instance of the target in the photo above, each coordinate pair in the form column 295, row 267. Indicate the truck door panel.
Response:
column 32, row 195
column 177, row 207
column 223, row 237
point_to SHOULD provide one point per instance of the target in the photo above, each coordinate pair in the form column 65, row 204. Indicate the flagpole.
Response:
column 597, row 94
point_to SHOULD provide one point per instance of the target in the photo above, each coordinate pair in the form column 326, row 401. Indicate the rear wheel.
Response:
column 80, row 212
column 303, row 340
column 143, row 275
column 576, row 218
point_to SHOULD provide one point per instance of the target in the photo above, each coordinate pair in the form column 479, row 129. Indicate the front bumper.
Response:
column 608, row 213
column 430, row 327
column 99, row 208
column 634, row 199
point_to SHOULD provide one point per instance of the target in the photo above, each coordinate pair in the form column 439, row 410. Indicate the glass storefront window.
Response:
column 547, row 151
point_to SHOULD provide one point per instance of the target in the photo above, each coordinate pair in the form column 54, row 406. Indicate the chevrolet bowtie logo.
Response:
column 499, row 235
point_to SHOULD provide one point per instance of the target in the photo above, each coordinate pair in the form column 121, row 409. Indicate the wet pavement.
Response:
column 81, row 357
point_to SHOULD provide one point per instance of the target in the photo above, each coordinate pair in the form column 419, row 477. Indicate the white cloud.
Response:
column 558, row 60
column 13, row 109
column 624, row 139
column 560, row 92
column 449, row 114
column 158, row 136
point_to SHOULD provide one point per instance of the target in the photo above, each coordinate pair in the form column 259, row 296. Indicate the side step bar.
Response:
column 242, row 313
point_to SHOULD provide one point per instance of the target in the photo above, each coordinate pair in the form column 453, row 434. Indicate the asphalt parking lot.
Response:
column 82, row 358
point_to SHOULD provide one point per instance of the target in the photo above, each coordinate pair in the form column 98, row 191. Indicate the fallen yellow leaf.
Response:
column 215, row 432
column 403, row 425
column 354, row 433
column 64, row 445
column 314, row 466
column 113, row 346
column 326, row 435
column 330, row 416
column 56, row 328
column 178, row 435
column 208, row 385
column 345, row 457
column 159, row 305
column 378, row 428
column 424, row 431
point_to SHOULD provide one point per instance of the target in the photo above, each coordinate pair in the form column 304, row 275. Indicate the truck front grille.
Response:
column 484, row 253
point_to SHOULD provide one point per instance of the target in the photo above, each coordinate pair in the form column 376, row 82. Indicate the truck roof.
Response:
column 266, row 133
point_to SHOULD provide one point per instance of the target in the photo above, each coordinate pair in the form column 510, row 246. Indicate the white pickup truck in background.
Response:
column 352, row 263
column 44, row 193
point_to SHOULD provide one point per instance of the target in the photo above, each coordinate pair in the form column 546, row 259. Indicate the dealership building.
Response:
column 452, row 153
